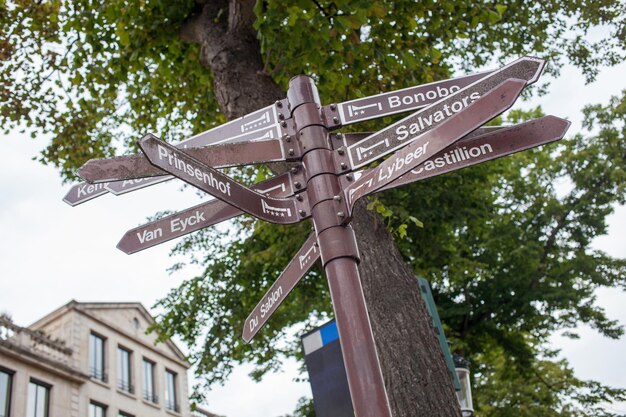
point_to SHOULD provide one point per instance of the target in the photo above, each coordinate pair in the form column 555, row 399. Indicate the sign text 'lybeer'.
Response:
column 288, row 279
column 412, row 127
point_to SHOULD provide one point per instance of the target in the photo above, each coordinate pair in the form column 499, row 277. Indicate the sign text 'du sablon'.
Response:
column 284, row 284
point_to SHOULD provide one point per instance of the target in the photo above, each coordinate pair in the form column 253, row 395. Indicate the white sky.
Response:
column 51, row 253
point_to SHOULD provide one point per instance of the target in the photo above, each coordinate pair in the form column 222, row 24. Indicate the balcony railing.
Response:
column 125, row 386
column 34, row 341
column 151, row 397
column 172, row 406
column 99, row 374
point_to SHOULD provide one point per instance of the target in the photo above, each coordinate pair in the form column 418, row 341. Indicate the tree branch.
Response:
column 204, row 22
column 241, row 17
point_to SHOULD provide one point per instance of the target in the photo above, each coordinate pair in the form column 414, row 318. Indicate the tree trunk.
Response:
column 416, row 377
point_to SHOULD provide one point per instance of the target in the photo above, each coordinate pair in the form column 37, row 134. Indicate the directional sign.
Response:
column 218, row 156
column 408, row 129
column 258, row 125
column 436, row 139
column 399, row 101
column 82, row 192
column 288, row 279
column 198, row 217
column 474, row 150
column 120, row 169
column 204, row 177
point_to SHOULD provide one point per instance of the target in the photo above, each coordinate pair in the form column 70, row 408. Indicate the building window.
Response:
column 148, row 382
column 124, row 370
column 97, row 409
column 6, row 379
column 171, row 402
column 123, row 414
column 38, row 399
column 96, row 357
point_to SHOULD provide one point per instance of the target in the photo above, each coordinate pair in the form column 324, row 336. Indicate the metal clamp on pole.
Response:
column 338, row 242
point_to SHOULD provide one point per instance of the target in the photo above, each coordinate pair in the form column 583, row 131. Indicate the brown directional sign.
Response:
column 120, row 169
column 198, row 217
column 258, row 125
column 436, row 139
column 486, row 147
column 82, row 192
column 399, row 101
column 218, row 156
column 288, row 279
column 183, row 166
column 412, row 127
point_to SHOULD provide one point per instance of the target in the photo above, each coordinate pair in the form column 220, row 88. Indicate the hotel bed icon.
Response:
column 256, row 123
column 275, row 211
column 306, row 257
column 360, row 110
column 362, row 152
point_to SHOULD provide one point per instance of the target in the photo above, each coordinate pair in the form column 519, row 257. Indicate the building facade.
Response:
column 91, row 360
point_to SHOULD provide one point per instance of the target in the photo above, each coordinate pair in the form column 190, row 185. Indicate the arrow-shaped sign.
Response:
column 218, row 156
column 261, row 124
column 200, row 216
column 408, row 129
column 397, row 101
column 436, row 139
column 288, row 279
column 474, row 150
column 183, row 166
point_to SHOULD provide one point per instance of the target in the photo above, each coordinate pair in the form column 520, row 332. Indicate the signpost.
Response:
column 445, row 135
column 273, row 122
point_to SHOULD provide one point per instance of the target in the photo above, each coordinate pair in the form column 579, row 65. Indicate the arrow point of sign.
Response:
column 563, row 124
column 541, row 65
column 121, row 245
column 146, row 138
column 84, row 172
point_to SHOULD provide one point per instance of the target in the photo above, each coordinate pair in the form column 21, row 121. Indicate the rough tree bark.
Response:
column 416, row 376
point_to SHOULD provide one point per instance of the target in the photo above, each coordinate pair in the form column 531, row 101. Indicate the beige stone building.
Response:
column 91, row 360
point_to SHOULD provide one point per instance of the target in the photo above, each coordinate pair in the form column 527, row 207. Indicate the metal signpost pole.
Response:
column 339, row 252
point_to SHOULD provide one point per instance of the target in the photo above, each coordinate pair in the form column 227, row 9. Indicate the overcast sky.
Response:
column 51, row 253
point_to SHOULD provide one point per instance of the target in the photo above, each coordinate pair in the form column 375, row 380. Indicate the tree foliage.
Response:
column 506, row 245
